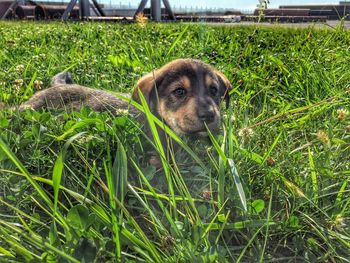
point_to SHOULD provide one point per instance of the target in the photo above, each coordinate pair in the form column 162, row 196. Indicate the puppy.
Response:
column 185, row 93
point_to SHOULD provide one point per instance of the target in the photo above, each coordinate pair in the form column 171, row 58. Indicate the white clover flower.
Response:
column 323, row 137
column 121, row 111
column 246, row 133
column 340, row 222
column 342, row 114
column 38, row 84
column 233, row 118
column 19, row 82
column 20, row 68
column 85, row 139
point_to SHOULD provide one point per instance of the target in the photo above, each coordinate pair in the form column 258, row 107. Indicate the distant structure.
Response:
column 332, row 12
column 28, row 9
column 156, row 11
column 84, row 9
column 302, row 13
column 38, row 10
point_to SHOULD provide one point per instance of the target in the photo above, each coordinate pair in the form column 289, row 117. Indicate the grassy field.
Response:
column 273, row 186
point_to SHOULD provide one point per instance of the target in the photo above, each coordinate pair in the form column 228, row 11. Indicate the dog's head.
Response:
column 186, row 94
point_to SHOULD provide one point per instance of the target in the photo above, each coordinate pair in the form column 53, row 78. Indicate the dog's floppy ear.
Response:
column 146, row 85
column 225, row 86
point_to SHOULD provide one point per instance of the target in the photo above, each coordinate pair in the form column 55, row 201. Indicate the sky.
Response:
column 237, row 4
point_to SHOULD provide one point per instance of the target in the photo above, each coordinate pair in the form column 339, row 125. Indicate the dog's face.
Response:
column 186, row 94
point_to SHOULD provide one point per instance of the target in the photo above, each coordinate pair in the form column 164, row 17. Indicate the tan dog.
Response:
column 184, row 93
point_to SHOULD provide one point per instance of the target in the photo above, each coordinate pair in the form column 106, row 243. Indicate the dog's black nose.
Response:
column 206, row 116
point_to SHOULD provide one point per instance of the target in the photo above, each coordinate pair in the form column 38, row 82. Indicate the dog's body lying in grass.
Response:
column 185, row 94
column 64, row 94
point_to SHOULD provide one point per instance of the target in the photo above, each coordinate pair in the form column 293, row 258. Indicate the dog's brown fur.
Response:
column 184, row 93
column 63, row 94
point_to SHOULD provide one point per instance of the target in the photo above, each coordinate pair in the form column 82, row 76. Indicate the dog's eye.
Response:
column 213, row 90
column 179, row 92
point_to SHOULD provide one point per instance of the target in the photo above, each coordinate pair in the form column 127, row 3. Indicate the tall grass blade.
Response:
column 7, row 235
column 257, row 158
column 249, row 243
column 24, row 171
column 141, row 240
column 33, row 239
column 149, row 209
column 6, row 253
column 156, row 196
column 267, row 227
column 313, row 175
column 238, row 183
column 217, row 146
column 267, row 155
column 222, row 166
column 58, row 168
column 233, row 170
column 341, row 193
column 111, row 193
column 222, row 175
column 159, row 148
column 211, row 225
column 120, row 173
column 30, row 85
column 78, row 125
column 20, row 212
column 29, row 177
column 177, row 40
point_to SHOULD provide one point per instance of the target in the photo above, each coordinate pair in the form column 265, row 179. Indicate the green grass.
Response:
column 272, row 186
